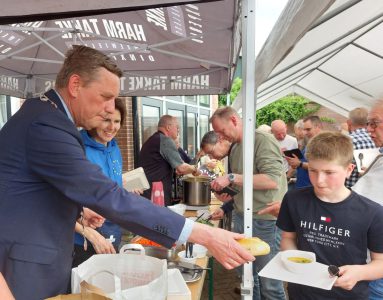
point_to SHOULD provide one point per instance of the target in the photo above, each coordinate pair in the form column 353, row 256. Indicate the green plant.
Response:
column 289, row 109
column 327, row 120
column 235, row 88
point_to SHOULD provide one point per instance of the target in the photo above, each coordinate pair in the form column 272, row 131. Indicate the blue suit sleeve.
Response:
column 56, row 155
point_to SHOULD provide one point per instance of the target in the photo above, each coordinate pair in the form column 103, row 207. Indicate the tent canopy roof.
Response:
column 174, row 50
column 337, row 63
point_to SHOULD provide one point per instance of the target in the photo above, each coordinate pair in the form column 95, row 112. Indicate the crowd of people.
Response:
column 46, row 180
column 64, row 188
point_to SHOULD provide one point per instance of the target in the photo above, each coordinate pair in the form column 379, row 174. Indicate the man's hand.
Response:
column 220, row 183
column 217, row 214
column 92, row 219
column 271, row 209
column 137, row 191
column 224, row 197
column 293, row 162
column 222, row 245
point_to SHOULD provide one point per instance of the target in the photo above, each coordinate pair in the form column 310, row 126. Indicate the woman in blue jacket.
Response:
column 102, row 149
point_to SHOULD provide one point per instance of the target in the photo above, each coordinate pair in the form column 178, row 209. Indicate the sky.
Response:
column 266, row 14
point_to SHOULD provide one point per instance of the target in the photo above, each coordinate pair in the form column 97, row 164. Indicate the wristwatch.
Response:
column 231, row 177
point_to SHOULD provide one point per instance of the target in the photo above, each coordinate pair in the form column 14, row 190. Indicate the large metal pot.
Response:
column 154, row 251
column 161, row 252
column 196, row 191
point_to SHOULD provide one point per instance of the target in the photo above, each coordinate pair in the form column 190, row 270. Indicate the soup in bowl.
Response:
column 297, row 261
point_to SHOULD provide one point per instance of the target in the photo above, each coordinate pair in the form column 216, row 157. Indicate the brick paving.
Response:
column 224, row 283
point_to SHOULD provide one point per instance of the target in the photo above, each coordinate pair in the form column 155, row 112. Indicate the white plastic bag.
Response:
column 124, row 276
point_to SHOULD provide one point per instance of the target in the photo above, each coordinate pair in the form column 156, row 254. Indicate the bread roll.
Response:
column 255, row 245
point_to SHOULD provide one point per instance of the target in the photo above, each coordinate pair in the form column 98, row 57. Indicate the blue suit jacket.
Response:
column 45, row 178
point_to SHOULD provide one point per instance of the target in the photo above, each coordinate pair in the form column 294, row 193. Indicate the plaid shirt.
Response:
column 361, row 140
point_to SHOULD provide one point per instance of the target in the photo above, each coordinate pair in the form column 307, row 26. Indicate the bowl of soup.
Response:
column 297, row 261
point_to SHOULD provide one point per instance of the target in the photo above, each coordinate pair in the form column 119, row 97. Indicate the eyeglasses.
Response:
column 373, row 123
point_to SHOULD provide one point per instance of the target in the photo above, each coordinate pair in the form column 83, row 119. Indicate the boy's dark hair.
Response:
column 330, row 146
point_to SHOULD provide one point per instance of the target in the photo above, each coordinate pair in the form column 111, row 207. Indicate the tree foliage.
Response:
column 289, row 109
column 235, row 88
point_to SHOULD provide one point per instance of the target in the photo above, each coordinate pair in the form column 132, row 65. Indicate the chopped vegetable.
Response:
column 206, row 222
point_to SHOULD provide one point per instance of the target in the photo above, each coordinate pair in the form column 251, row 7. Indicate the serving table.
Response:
column 196, row 287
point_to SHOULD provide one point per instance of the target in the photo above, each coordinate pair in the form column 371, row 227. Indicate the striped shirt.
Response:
column 361, row 140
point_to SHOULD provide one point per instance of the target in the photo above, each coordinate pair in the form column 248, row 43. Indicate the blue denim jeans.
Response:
column 376, row 289
column 264, row 288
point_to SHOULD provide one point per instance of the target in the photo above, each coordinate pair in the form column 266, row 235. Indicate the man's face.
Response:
column 299, row 133
column 310, row 130
column 217, row 151
column 375, row 126
column 225, row 129
column 95, row 101
column 279, row 133
column 174, row 129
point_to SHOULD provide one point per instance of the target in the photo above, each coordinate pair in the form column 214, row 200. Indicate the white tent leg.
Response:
column 248, row 51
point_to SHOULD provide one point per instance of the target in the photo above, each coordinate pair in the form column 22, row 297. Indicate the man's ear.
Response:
column 74, row 84
column 234, row 120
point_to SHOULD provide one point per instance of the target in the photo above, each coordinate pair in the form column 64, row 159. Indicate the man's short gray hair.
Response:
column 166, row 120
column 358, row 116
column 210, row 138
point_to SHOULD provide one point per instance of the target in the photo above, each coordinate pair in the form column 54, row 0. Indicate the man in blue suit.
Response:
column 45, row 180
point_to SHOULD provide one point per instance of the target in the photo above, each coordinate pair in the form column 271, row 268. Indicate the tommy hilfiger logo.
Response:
column 325, row 219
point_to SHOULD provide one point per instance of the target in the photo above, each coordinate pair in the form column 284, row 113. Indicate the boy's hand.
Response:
column 349, row 275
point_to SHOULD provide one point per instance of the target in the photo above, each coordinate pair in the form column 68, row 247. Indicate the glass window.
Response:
column 191, row 134
column 150, row 118
column 204, row 100
column 203, row 124
column 175, row 98
column 180, row 116
column 191, row 99
column 3, row 110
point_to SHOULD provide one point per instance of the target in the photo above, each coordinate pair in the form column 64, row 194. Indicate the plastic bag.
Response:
column 123, row 276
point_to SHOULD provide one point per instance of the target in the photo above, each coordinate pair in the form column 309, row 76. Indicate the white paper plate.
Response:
column 317, row 276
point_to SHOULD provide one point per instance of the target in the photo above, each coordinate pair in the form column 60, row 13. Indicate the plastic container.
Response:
column 178, row 208
column 188, row 259
column 199, row 251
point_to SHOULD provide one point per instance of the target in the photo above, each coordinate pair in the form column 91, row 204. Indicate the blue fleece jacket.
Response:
column 109, row 159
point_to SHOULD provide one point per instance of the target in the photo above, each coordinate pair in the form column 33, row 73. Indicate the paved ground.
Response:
column 224, row 283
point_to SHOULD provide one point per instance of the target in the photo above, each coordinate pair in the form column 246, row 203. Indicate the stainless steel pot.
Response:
column 161, row 252
column 196, row 191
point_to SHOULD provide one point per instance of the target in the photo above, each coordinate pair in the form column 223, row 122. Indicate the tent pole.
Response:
column 248, row 95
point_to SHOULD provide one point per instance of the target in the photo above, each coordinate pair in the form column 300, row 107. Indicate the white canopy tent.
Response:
column 338, row 63
column 274, row 73
column 175, row 50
